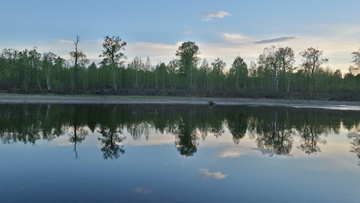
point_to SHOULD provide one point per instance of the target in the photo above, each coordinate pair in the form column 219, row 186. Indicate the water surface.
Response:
column 178, row 153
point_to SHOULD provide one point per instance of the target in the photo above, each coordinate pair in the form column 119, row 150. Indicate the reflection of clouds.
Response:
column 65, row 144
column 270, row 151
column 216, row 175
column 142, row 190
column 61, row 141
column 231, row 154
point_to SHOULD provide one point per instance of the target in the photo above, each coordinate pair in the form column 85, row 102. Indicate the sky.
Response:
column 156, row 28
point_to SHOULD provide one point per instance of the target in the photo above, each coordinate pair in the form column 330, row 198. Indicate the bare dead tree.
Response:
column 76, row 56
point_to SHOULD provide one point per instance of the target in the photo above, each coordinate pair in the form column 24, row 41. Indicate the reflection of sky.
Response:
column 220, row 171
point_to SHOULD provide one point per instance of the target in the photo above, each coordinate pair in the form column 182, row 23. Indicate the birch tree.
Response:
column 218, row 72
column 286, row 59
column 241, row 71
column 269, row 59
column 147, row 70
column 252, row 72
column 47, row 66
column 172, row 67
column 312, row 62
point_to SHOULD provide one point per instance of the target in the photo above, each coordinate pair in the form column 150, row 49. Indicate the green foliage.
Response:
column 111, row 52
column 29, row 71
column 239, row 71
column 188, row 60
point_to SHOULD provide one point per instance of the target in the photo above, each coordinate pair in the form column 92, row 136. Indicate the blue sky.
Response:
column 156, row 28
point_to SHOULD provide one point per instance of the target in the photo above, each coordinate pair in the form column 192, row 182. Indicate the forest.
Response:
column 273, row 75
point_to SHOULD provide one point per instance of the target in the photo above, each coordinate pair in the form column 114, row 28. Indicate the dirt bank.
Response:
column 86, row 99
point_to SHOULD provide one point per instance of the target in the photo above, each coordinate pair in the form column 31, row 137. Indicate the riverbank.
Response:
column 102, row 99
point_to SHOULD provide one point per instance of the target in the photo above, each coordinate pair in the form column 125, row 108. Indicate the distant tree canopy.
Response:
column 273, row 73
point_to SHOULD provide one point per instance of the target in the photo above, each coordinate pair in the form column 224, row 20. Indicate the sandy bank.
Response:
column 94, row 99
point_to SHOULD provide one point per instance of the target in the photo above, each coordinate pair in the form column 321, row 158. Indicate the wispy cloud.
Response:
column 219, row 14
column 279, row 39
column 234, row 36
column 63, row 41
column 142, row 190
column 186, row 32
column 216, row 175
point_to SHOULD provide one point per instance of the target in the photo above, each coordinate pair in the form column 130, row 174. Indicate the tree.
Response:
column 47, row 66
column 286, row 60
column 312, row 59
column 112, row 54
column 205, row 69
column 312, row 62
column 75, row 55
column 188, row 59
column 136, row 65
column 241, row 71
column 147, row 70
column 34, row 59
column 172, row 68
column 58, row 68
column 93, row 78
column 356, row 61
column 269, row 59
column 217, row 72
column 78, row 56
column 252, row 72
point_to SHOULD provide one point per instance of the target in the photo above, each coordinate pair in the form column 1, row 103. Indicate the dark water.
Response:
column 172, row 153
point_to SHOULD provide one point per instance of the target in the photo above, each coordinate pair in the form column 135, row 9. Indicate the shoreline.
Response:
column 111, row 99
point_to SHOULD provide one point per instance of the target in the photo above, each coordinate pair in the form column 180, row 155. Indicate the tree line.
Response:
column 273, row 73
column 273, row 129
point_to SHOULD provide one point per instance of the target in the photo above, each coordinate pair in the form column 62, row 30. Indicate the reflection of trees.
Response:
column 310, row 140
column 354, row 134
column 355, row 147
column 237, row 125
column 137, row 129
column 186, row 139
column 110, row 141
column 20, row 123
column 310, row 135
column 273, row 138
column 206, row 121
column 272, row 128
column 78, row 135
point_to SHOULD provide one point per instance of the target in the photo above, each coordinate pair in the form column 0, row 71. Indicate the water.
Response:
column 178, row 153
